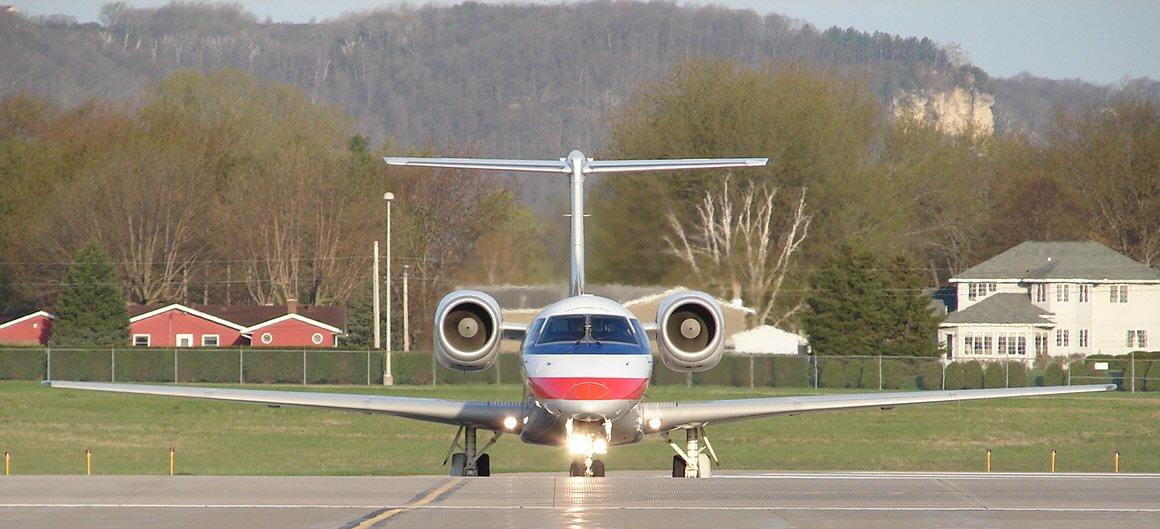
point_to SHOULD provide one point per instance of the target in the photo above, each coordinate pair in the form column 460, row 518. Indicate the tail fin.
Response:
column 576, row 165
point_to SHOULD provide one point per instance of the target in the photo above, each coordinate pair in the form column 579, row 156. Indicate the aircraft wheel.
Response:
column 483, row 465
column 678, row 467
column 458, row 462
column 577, row 469
column 597, row 468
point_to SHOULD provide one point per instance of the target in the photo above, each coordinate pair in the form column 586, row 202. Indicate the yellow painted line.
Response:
column 366, row 524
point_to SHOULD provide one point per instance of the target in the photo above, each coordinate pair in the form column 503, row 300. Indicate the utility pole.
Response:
column 406, row 320
column 378, row 343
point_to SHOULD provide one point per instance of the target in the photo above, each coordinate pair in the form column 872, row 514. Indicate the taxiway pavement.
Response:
column 629, row 499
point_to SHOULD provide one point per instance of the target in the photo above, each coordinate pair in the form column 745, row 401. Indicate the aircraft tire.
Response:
column 597, row 468
column 678, row 467
column 577, row 469
column 458, row 463
column 483, row 466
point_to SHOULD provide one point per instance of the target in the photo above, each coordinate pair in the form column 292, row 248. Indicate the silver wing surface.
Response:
column 674, row 415
column 487, row 415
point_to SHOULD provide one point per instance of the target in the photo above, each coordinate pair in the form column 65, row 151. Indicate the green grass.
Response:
column 48, row 430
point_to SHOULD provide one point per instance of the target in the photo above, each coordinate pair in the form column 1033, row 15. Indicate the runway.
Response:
column 629, row 499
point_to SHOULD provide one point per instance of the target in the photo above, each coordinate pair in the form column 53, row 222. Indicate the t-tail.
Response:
column 576, row 165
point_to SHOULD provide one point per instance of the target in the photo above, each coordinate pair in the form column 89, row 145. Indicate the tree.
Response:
column 90, row 309
column 861, row 306
column 741, row 246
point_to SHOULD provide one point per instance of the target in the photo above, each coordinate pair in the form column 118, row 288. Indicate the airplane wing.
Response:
column 487, row 415
column 534, row 166
column 625, row 166
column 675, row 415
column 513, row 331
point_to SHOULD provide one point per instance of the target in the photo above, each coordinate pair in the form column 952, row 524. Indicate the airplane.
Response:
column 586, row 360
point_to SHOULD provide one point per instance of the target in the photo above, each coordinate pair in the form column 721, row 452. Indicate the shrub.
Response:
column 833, row 375
column 954, row 376
column 930, row 376
column 995, row 375
column 853, row 372
column 1054, row 375
column 869, row 379
column 1152, row 377
column 1017, row 375
column 972, row 375
column 893, row 374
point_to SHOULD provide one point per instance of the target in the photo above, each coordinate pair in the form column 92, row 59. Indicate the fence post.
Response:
column 1007, row 364
column 304, row 366
column 241, row 366
column 175, row 377
column 815, row 359
column 368, row 367
column 879, row 371
column 751, row 371
column 944, row 375
column 1132, row 360
column 48, row 363
column 113, row 366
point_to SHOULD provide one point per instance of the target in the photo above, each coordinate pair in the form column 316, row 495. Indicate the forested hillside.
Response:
column 222, row 159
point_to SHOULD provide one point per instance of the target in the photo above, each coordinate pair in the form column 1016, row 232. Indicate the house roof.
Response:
column 1060, row 261
column 247, row 316
column 26, row 318
column 1001, row 309
column 295, row 317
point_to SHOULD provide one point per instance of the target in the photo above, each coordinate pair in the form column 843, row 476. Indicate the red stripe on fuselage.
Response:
column 587, row 388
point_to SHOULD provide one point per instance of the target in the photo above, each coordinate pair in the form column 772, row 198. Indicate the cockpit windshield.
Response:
column 578, row 327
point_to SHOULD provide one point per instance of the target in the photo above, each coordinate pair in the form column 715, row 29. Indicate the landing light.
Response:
column 600, row 446
column 509, row 423
column 654, row 423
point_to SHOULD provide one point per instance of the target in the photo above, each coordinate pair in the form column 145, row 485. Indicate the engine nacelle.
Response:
column 467, row 330
column 690, row 332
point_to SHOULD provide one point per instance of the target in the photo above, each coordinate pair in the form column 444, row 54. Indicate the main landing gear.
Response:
column 470, row 462
column 696, row 460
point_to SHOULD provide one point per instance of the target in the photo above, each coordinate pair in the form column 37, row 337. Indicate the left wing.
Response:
column 487, row 415
column 674, row 415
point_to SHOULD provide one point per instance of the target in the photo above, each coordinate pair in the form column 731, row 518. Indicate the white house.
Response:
column 767, row 339
column 1053, row 299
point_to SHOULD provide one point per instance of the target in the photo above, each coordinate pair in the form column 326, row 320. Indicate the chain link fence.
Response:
column 333, row 366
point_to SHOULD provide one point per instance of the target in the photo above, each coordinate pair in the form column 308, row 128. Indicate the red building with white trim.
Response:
column 289, row 325
column 33, row 329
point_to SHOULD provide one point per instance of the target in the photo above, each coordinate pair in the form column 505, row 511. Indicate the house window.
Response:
column 1061, row 292
column 1083, row 338
column 140, row 340
column 1040, row 292
column 972, row 292
column 978, row 290
column 185, row 340
column 1040, row 344
column 1137, row 338
column 1118, row 294
column 1084, row 293
column 209, row 340
column 1061, row 337
column 1012, row 344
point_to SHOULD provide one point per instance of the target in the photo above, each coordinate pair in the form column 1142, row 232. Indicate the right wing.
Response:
column 675, row 415
column 487, row 415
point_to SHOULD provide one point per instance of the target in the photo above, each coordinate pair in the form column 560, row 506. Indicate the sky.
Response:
column 1100, row 41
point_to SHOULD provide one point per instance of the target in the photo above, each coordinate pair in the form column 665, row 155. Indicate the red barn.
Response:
column 177, row 325
column 225, row 325
column 33, row 329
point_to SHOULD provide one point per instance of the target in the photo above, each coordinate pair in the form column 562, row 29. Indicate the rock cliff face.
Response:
column 953, row 111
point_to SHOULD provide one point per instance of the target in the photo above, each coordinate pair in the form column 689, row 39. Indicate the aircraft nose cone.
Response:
column 587, row 391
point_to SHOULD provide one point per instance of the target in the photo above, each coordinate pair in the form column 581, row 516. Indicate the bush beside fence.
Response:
column 330, row 366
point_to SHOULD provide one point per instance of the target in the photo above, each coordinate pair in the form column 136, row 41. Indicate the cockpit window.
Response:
column 611, row 329
column 598, row 328
column 563, row 329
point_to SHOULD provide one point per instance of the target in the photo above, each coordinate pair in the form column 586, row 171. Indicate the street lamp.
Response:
column 388, row 379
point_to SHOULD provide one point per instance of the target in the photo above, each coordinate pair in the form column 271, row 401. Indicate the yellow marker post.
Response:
column 1116, row 462
column 170, row 461
column 88, row 461
column 1052, row 460
column 988, row 460
column 7, row 463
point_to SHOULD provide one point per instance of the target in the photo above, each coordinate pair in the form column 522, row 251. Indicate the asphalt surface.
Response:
column 638, row 500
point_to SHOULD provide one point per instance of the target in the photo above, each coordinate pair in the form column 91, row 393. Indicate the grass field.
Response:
column 48, row 430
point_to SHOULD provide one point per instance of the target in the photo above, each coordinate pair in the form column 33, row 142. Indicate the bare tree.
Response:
column 739, row 245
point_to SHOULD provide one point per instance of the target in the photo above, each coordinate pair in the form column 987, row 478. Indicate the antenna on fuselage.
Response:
column 576, row 165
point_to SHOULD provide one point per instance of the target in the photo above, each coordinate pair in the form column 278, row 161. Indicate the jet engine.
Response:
column 467, row 330
column 690, row 331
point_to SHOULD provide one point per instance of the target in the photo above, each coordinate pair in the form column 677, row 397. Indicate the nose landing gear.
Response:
column 585, row 443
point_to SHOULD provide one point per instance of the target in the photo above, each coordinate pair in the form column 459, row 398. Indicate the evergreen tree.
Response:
column 861, row 306
column 90, row 309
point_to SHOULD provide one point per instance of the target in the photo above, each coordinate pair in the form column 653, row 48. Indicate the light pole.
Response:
column 388, row 379
column 406, row 320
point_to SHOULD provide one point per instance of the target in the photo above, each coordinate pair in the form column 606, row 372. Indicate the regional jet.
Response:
column 586, row 360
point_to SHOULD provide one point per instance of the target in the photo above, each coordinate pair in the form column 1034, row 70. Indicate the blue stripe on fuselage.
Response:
column 587, row 348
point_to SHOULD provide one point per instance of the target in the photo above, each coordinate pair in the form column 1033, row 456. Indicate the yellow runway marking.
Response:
column 370, row 522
